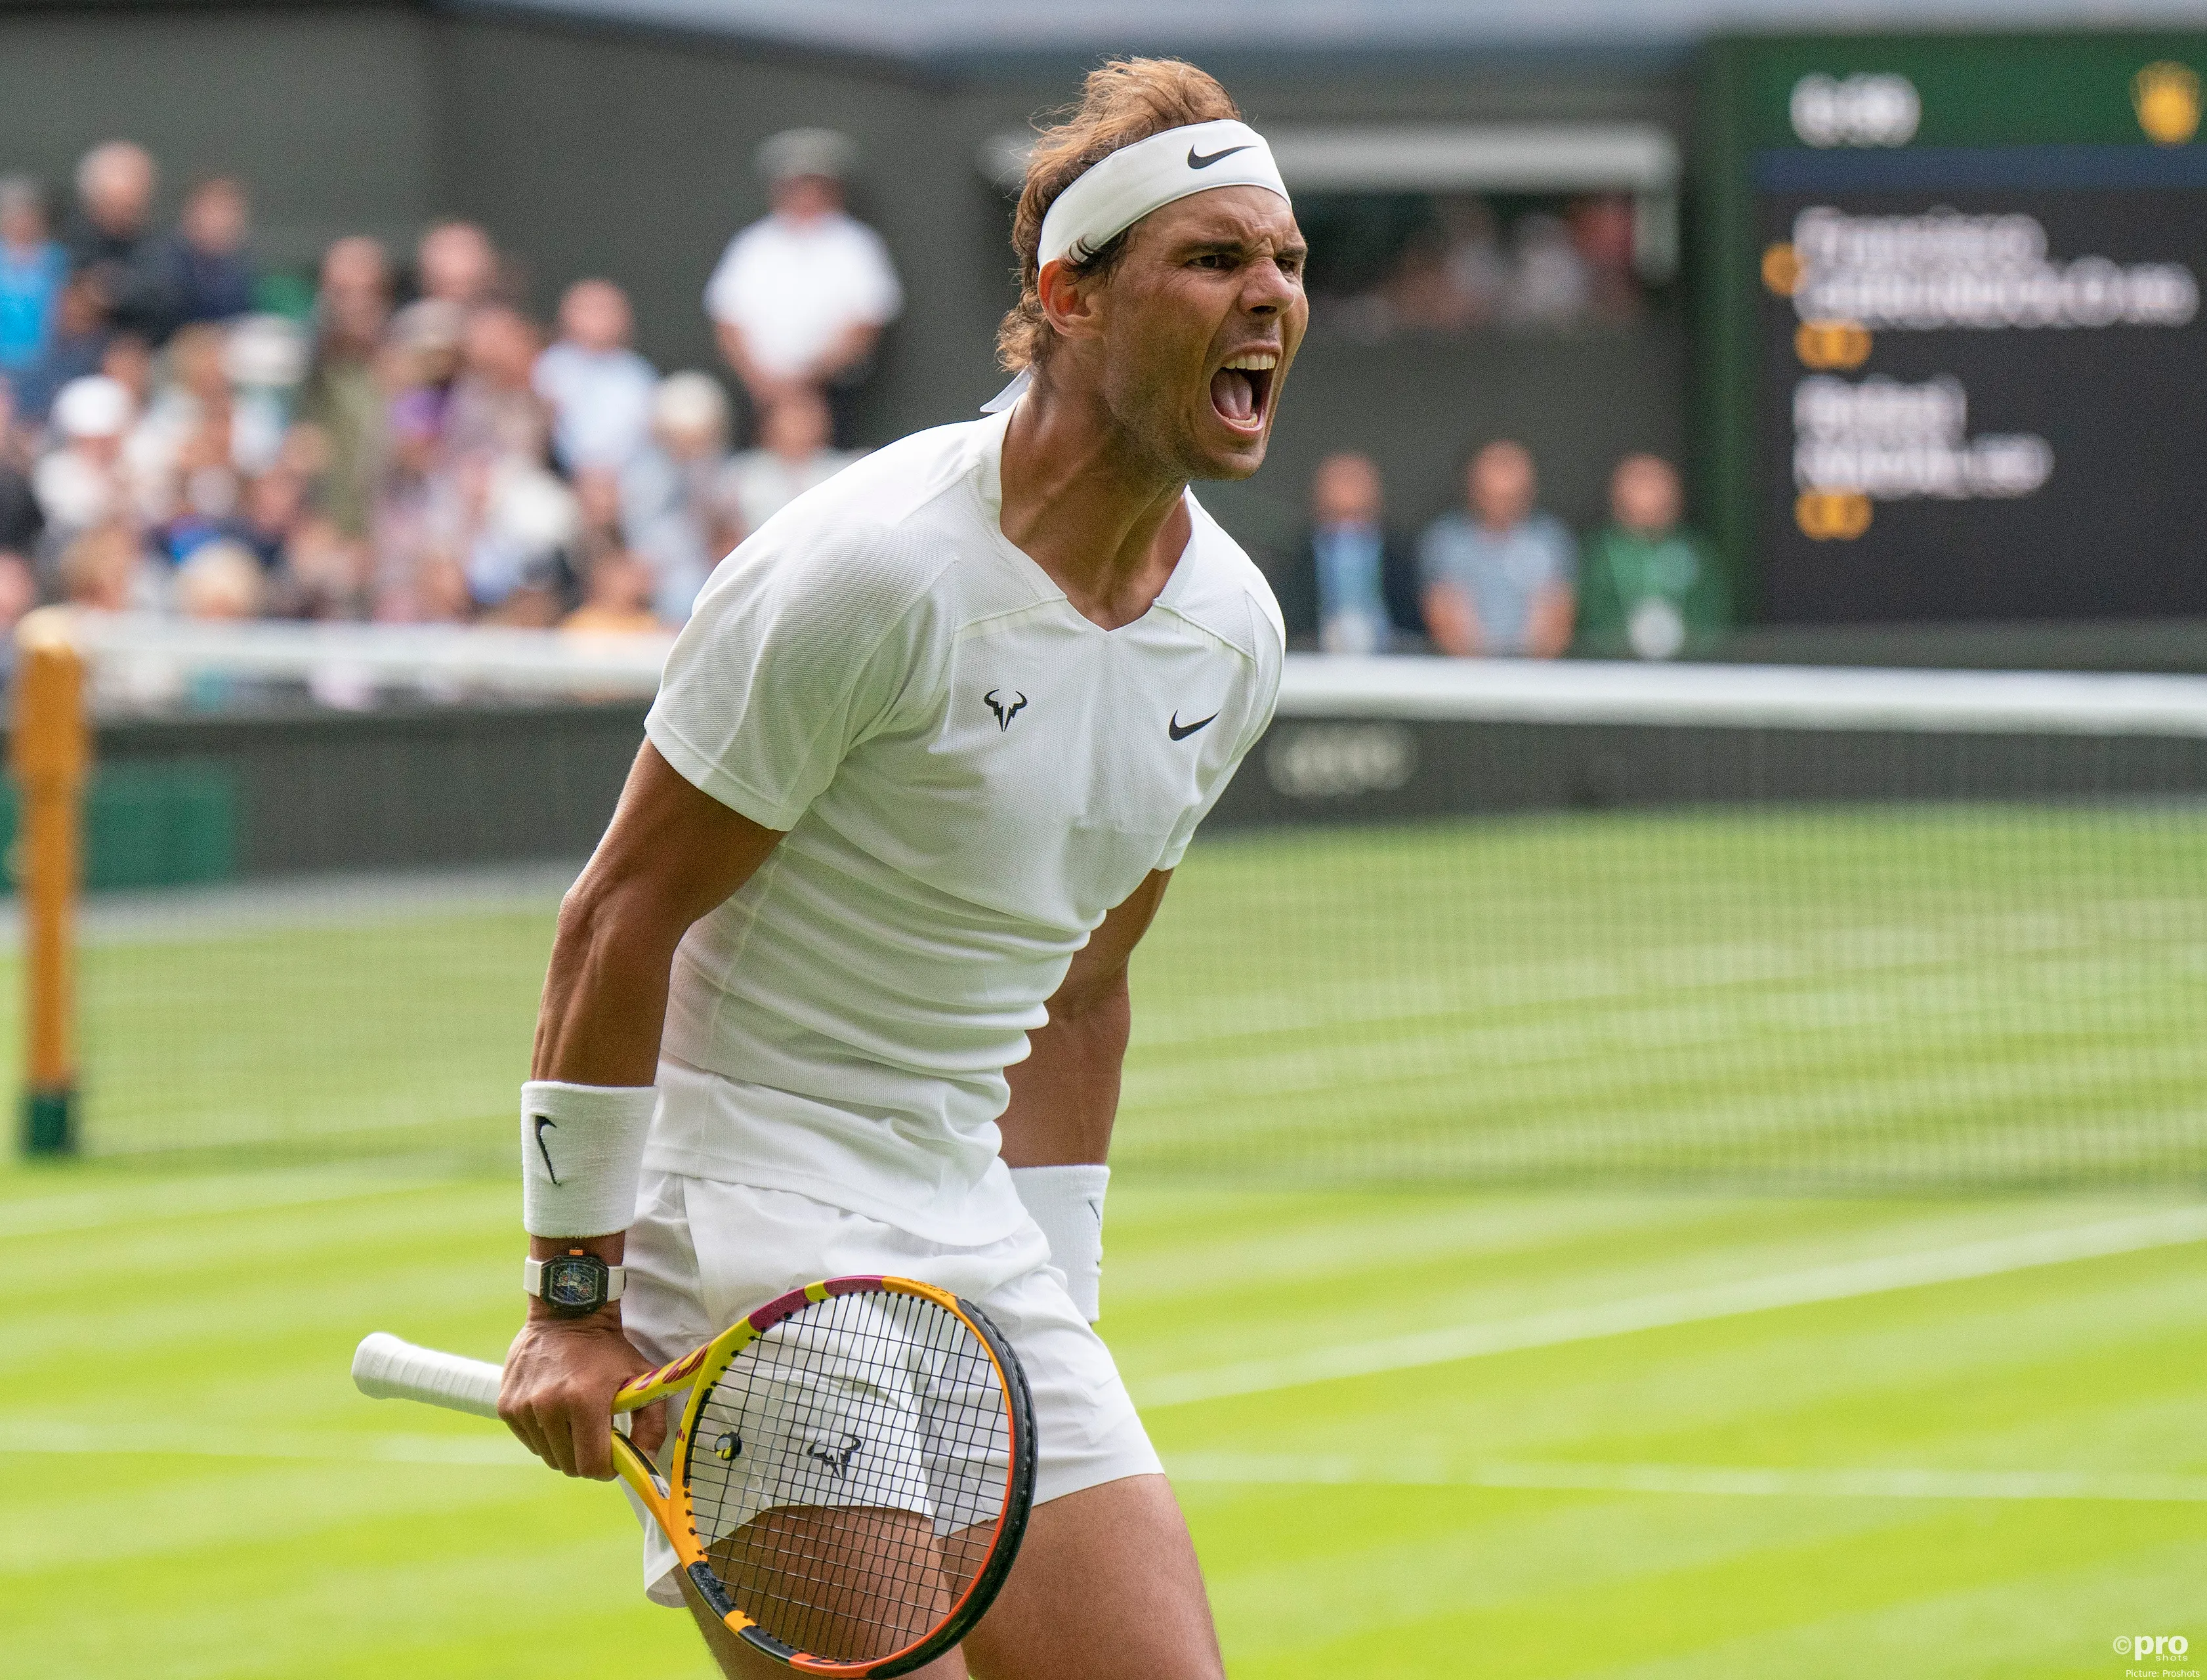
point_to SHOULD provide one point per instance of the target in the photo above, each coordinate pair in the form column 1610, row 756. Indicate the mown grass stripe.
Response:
column 1661, row 1312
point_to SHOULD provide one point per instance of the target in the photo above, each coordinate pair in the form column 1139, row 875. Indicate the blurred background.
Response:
column 1667, row 1119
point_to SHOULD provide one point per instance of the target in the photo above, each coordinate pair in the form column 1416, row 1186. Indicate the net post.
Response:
column 49, row 755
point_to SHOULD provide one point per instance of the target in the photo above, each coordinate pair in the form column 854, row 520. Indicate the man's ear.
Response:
column 1068, row 301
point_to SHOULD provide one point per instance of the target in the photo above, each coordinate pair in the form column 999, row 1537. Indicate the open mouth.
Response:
column 1241, row 389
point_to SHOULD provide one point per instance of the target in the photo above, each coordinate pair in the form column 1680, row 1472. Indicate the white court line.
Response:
column 1843, row 1282
column 1286, row 1470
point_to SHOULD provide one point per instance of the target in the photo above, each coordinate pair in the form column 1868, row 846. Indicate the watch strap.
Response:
column 532, row 1277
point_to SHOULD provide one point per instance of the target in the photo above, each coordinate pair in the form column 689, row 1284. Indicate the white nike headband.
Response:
column 1116, row 192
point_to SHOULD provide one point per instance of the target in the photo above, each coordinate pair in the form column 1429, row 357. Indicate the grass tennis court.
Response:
column 1993, row 1476
column 1833, row 996
column 1651, row 1430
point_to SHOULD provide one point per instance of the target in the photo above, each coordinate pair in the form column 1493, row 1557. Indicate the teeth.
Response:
column 1256, row 361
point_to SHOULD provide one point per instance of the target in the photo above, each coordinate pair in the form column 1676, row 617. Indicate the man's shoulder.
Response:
column 1228, row 593
column 894, row 512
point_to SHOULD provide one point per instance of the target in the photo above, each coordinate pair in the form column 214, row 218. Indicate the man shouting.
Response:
column 844, row 988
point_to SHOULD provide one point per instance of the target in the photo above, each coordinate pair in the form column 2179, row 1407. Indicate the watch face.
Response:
column 574, row 1281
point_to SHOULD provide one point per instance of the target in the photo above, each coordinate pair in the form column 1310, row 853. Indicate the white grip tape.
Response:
column 385, row 1367
column 581, row 1157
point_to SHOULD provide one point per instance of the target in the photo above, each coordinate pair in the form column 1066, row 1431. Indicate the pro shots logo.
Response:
column 2154, row 1647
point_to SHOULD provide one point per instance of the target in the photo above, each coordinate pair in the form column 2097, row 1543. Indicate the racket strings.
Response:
column 847, row 1473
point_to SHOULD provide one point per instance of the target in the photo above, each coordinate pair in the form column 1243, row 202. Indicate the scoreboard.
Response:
column 1951, row 357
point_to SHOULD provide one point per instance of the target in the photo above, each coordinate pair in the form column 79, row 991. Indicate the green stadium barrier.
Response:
column 173, row 824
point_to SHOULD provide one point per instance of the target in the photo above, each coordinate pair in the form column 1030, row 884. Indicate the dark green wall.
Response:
column 330, row 113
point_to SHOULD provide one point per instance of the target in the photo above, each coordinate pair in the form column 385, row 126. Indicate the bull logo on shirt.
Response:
column 1005, row 711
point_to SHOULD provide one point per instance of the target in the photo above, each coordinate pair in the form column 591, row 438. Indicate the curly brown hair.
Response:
column 1121, row 101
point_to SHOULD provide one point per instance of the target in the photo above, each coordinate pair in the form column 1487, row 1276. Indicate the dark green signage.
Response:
column 1952, row 363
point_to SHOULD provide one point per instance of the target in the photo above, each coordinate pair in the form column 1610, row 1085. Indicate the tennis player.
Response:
column 844, row 988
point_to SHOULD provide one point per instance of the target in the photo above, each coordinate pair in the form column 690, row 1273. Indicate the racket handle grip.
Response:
column 385, row 1367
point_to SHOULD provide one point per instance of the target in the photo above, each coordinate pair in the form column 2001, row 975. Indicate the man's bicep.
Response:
column 1098, row 967
column 676, row 844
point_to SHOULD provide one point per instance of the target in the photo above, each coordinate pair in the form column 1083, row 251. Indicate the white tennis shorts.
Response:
column 702, row 1253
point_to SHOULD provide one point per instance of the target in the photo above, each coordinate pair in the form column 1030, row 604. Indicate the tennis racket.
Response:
column 850, row 1477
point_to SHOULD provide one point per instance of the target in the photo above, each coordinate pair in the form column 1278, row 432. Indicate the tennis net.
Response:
column 1845, row 930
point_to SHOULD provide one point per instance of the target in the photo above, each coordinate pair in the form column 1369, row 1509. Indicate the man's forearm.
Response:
column 605, row 994
column 1065, row 1095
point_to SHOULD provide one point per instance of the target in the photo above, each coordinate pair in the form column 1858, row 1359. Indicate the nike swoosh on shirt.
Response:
column 1180, row 731
column 1204, row 159
column 542, row 1122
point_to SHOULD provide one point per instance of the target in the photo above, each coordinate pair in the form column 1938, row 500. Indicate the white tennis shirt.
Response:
column 970, row 774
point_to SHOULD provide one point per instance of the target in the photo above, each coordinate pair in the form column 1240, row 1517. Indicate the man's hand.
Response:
column 558, row 1396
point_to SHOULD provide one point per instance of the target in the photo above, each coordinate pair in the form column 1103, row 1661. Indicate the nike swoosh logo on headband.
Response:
column 1204, row 160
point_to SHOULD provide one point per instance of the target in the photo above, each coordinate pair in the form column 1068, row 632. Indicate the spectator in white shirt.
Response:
column 800, row 298
column 599, row 389
column 792, row 455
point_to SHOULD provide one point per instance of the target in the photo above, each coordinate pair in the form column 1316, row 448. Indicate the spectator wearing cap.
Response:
column 1350, row 585
column 1498, row 578
column 113, row 237
column 599, row 389
column 800, row 298
column 81, row 483
column 673, row 508
column 1650, row 589
column 32, row 268
column 209, row 276
column 794, row 455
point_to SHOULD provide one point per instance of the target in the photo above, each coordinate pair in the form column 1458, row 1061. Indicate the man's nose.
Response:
column 1269, row 289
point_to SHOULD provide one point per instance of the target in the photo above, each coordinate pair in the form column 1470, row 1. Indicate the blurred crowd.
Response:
column 403, row 442
column 409, row 444
column 1498, row 576
column 1452, row 263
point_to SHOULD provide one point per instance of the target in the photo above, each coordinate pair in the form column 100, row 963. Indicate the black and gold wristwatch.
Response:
column 574, row 1284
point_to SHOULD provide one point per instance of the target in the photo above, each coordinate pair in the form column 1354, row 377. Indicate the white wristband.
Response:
column 1067, row 1202
column 582, row 1155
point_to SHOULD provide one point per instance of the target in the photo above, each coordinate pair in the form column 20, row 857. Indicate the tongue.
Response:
column 1233, row 394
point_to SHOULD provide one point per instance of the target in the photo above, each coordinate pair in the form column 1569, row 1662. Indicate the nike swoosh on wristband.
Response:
column 1204, row 160
column 542, row 1122
column 1180, row 731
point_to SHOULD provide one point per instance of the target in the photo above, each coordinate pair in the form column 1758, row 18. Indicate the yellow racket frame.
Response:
column 669, row 1505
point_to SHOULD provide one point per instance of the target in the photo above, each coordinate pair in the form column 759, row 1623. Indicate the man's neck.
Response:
column 1104, row 515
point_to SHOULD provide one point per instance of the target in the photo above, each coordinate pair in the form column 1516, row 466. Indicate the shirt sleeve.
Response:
column 790, row 659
